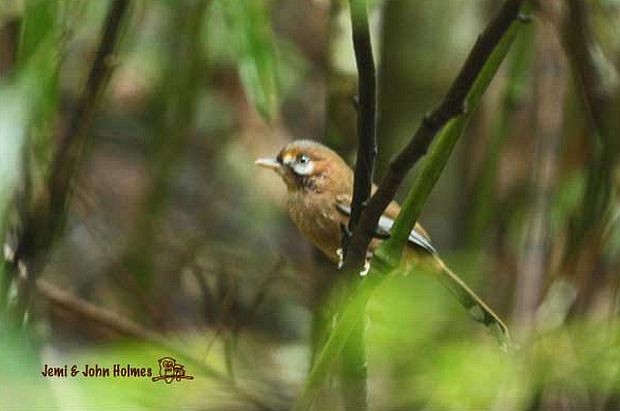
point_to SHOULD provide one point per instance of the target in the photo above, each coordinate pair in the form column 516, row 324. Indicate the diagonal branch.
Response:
column 452, row 106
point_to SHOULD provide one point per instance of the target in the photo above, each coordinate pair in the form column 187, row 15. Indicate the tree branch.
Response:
column 452, row 106
column 367, row 112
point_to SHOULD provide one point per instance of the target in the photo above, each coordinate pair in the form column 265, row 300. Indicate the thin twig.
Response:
column 451, row 106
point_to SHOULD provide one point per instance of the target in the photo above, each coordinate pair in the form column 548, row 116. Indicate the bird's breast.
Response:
column 318, row 219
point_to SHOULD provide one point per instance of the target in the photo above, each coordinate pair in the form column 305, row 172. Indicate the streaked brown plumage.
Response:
column 320, row 185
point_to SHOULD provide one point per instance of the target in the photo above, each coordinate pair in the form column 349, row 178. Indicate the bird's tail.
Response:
column 474, row 305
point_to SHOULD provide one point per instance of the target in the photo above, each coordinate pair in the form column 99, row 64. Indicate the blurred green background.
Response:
column 171, row 229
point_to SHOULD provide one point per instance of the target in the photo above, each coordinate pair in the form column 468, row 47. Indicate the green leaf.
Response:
column 13, row 126
column 39, row 23
column 251, row 37
column 39, row 51
column 38, row 61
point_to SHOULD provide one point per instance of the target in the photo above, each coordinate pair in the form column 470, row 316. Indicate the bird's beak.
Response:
column 270, row 163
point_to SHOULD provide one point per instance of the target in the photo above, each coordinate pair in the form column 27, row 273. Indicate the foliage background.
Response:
column 171, row 226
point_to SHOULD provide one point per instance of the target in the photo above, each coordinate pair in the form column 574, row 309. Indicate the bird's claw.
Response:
column 366, row 268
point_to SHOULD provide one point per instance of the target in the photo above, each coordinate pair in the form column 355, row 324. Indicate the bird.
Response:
column 319, row 191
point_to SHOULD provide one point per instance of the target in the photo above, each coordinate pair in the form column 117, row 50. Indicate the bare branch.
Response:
column 366, row 112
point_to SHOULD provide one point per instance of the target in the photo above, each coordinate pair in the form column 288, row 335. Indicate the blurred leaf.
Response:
column 21, row 384
column 30, row 100
column 20, row 103
column 38, row 63
column 39, row 42
column 23, row 387
column 255, row 54
column 39, row 22
column 472, row 373
column 461, row 375
column 13, row 126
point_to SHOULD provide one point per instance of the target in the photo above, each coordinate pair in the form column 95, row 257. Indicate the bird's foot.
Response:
column 340, row 255
column 366, row 269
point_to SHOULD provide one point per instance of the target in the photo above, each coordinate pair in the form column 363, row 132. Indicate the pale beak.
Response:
column 270, row 163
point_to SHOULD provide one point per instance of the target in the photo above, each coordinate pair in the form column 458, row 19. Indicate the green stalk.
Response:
column 351, row 315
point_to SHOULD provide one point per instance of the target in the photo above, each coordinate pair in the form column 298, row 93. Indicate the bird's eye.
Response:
column 303, row 165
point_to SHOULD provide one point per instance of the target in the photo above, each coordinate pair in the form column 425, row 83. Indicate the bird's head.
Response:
column 309, row 166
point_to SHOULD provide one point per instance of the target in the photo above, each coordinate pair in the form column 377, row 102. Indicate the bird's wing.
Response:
column 474, row 304
column 385, row 225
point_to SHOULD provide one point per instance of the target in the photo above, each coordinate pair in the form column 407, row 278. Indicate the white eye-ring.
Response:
column 303, row 166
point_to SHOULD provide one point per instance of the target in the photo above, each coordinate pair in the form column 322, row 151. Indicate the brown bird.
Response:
column 320, row 187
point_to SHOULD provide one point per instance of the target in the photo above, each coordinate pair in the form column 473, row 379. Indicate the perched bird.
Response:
column 320, row 187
